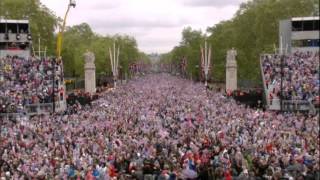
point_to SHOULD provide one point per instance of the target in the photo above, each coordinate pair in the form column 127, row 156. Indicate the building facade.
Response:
column 299, row 34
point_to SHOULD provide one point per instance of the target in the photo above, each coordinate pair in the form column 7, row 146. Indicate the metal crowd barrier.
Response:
column 40, row 108
column 13, row 116
column 44, row 108
column 295, row 105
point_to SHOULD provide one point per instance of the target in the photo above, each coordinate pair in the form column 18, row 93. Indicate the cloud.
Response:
column 127, row 22
column 211, row 3
column 106, row 5
column 155, row 24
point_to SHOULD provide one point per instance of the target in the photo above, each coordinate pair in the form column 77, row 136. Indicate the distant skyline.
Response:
column 155, row 24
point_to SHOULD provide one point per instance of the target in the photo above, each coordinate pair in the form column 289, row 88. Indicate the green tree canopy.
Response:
column 80, row 38
column 76, row 40
column 252, row 31
column 43, row 22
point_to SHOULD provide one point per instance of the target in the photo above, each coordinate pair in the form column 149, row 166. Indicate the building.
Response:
column 15, row 38
column 299, row 33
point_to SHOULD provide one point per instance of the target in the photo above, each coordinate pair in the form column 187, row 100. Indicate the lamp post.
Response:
column 282, row 56
column 72, row 3
column 53, row 85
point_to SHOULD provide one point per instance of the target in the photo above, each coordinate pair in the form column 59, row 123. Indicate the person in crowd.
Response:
column 26, row 82
column 300, row 75
column 161, row 127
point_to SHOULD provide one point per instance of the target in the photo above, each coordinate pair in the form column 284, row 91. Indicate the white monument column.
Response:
column 231, row 70
column 89, row 73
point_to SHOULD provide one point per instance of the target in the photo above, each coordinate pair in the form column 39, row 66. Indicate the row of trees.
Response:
column 253, row 30
column 80, row 38
column 77, row 39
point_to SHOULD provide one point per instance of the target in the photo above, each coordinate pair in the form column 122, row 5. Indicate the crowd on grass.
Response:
column 27, row 81
column 161, row 127
column 300, row 75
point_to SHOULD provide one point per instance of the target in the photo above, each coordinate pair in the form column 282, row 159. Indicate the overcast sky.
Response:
column 156, row 24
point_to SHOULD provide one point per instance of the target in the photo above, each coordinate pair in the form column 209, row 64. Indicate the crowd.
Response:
column 80, row 98
column 27, row 81
column 300, row 75
column 250, row 97
column 162, row 127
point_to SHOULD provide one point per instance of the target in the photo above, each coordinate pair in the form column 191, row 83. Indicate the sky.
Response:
column 155, row 24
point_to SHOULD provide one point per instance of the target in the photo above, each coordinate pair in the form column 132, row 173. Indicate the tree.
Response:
column 190, row 49
column 252, row 31
column 80, row 38
column 43, row 27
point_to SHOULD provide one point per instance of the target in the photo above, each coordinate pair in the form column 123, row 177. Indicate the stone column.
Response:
column 89, row 73
column 231, row 70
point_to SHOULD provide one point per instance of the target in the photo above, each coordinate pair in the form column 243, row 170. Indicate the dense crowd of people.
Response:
column 249, row 97
column 78, row 98
column 27, row 81
column 300, row 75
column 161, row 127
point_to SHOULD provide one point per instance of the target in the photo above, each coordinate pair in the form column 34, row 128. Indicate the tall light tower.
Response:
column 72, row 3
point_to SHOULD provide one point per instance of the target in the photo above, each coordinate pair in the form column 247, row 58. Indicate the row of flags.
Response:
column 205, row 60
column 139, row 67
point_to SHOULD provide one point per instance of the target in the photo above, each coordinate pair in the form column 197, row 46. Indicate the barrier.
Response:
column 33, row 109
column 13, row 116
column 295, row 105
column 45, row 108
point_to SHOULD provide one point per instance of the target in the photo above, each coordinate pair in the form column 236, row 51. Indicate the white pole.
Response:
column 34, row 53
column 114, row 65
column 114, row 62
column 114, row 57
column 280, row 45
column 209, row 62
column 110, row 54
column 202, row 54
column 118, row 60
column 39, row 46
column 205, row 62
column 45, row 52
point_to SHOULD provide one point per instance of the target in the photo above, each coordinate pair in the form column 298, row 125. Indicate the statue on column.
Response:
column 89, row 57
column 231, row 55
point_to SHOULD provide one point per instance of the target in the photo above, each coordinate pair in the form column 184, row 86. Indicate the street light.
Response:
column 72, row 3
column 53, row 85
